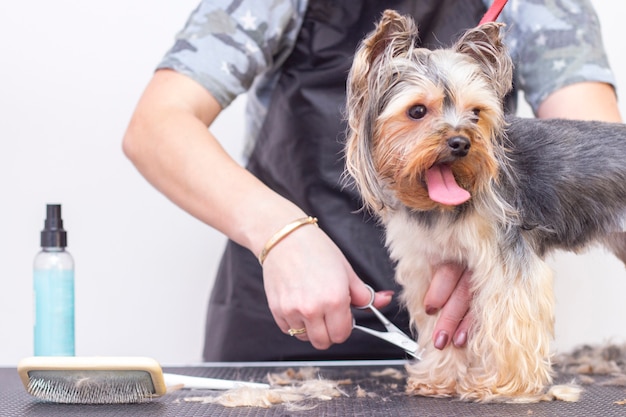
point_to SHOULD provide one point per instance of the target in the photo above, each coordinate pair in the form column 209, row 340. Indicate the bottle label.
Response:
column 54, row 312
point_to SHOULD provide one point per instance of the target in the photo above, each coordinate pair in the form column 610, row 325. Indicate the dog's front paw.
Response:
column 417, row 386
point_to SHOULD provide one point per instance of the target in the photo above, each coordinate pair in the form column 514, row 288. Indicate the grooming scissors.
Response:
column 392, row 334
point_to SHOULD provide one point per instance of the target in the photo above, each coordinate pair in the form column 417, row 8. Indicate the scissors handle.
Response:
column 392, row 334
column 384, row 320
column 370, row 303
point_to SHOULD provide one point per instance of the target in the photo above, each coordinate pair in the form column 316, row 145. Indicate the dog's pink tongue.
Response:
column 442, row 186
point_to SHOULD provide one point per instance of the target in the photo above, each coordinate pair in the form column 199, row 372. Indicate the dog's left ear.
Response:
column 484, row 44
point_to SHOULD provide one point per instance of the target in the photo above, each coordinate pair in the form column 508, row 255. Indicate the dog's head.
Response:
column 422, row 123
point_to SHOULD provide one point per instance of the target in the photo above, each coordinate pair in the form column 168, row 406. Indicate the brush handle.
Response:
column 193, row 382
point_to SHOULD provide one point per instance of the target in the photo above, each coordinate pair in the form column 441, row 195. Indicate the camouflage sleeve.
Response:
column 226, row 44
column 554, row 43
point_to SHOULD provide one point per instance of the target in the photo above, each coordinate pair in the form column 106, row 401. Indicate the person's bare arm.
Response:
column 308, row 281
column 169, row 143
column 584, row 101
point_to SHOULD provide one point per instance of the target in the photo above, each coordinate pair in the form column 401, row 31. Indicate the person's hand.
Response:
column 310, row 285
column 449, row 292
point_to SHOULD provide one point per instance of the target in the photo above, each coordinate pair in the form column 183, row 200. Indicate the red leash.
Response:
column 493, row 12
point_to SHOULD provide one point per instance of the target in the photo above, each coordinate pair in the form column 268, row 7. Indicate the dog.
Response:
column 454, row 180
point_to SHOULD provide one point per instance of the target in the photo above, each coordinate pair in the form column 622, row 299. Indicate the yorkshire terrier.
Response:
column 455, row 181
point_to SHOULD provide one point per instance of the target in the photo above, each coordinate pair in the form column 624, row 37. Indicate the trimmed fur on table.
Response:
column 293, row 388
column 584, row 361
column 301, row 389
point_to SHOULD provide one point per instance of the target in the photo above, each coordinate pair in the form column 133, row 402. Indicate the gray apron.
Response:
column 299, row 155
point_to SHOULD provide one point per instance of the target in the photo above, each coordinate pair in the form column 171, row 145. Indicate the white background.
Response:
column 70, row 75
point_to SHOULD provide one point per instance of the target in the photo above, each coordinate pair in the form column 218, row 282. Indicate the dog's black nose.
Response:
column 459, row 145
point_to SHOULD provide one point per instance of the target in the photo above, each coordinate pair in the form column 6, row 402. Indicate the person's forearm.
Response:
column 585, row 101
column 175, row 152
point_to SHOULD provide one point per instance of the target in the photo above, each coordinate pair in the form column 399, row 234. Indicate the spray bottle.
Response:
column 53, row 279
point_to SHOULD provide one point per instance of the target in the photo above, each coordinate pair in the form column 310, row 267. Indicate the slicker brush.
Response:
column 107, row 380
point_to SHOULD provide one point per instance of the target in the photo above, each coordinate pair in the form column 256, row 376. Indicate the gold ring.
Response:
column 293, row 332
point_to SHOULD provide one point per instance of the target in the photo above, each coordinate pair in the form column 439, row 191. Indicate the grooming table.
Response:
column 388, row 397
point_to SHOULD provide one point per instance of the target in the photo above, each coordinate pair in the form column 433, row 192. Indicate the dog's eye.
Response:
column 476, row 115
column 417, row 112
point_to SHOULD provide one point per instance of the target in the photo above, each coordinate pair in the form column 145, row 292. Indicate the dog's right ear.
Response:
column 394, row 35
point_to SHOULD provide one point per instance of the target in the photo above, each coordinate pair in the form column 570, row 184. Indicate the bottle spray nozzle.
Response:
column 53, row 234
column 53, row 217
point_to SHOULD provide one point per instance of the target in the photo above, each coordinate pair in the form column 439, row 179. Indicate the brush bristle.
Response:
column 91, row 386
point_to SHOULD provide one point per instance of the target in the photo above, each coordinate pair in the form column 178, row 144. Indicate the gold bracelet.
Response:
column 283, row 233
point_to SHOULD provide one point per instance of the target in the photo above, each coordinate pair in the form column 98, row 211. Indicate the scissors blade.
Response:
column 407, row 344
column 398, row 339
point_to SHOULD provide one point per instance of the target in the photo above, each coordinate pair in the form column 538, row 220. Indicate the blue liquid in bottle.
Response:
column 53, row 280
